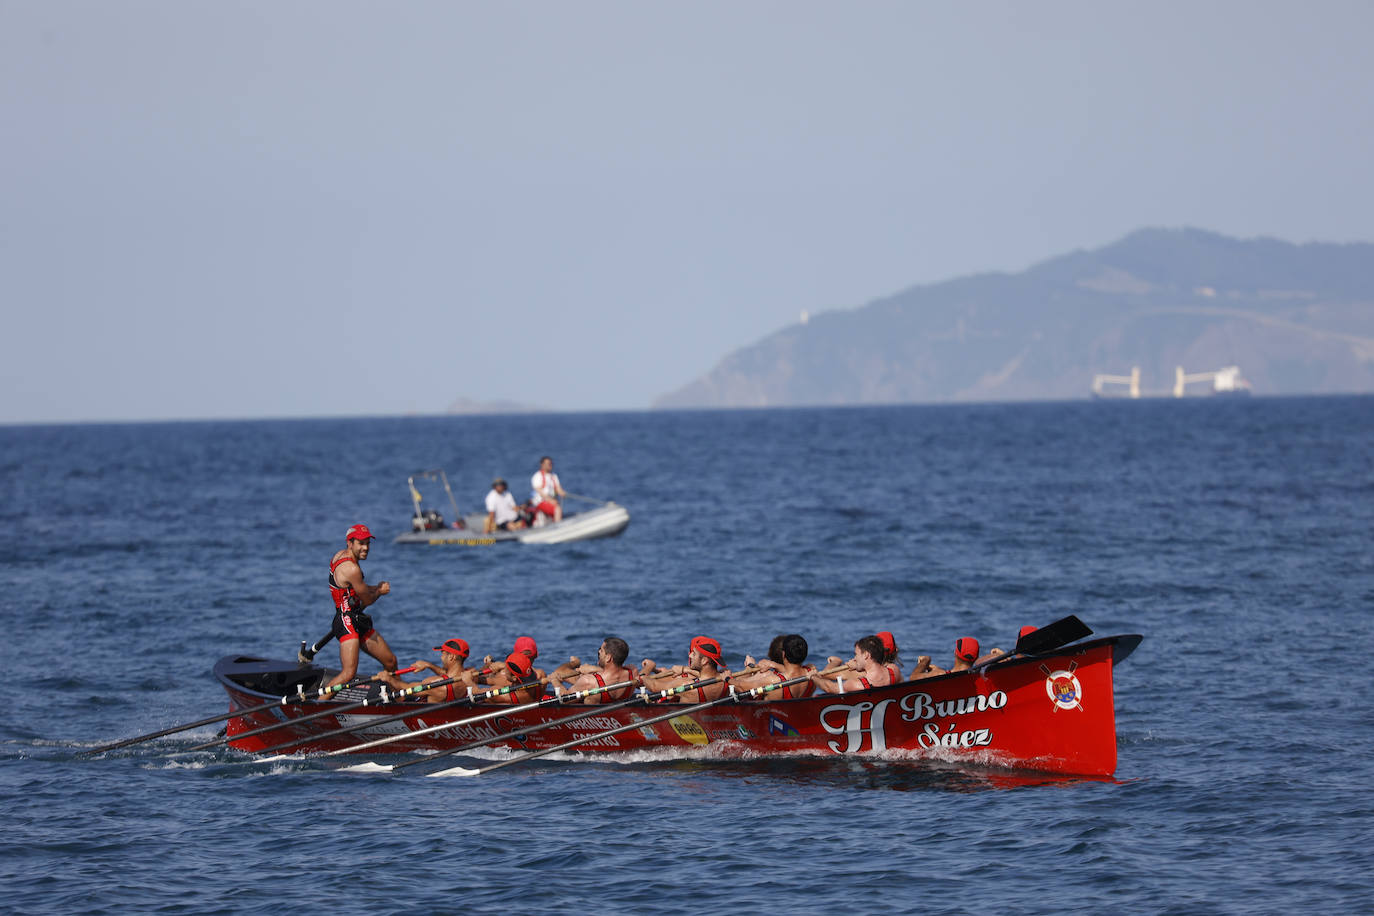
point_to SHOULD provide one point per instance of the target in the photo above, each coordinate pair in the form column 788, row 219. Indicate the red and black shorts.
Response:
column 351, row 625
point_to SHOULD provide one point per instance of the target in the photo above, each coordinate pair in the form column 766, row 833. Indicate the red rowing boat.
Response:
column 1052, row 712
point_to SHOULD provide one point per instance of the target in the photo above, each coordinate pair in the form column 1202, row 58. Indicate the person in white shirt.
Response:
column 501, row 509
column 547, row 490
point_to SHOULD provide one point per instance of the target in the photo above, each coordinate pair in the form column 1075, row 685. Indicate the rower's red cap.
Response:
column 458, row 647
column 889, row 641
column 527, row 642
column 707, row 647
column 1025, row 631
column 359, row 532
column 520, row 664
column 966, row 647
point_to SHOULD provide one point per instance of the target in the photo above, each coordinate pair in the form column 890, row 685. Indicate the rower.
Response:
column 869, row 671
column 453, row 654
column 609, row 669
column 524, row 645
column 704, row 661
column 1025, row 631
column 527, row 647
column 516, row 671
column 890, row 657
column 786, row 661
column 965, row 653
column 890, row 660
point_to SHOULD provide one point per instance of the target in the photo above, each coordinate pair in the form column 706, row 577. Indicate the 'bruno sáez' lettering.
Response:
column 855, row 720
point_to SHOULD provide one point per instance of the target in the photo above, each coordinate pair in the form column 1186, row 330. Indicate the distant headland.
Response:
column 1299, row 319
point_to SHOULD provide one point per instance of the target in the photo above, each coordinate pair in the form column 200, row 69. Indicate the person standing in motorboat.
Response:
column 547, row 491
column 350, row 594
column 502, row 512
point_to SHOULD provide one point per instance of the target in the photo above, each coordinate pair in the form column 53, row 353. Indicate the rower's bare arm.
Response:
column 664, row 680
column 749, row 680
column 391, row 680
column 583, row 682
column 827, row 684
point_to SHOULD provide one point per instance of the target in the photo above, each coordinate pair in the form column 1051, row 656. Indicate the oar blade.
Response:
column 366, row 767
column 455, row 771
column 1052, row 636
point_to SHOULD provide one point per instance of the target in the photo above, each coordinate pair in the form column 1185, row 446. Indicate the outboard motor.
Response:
column 428, row 520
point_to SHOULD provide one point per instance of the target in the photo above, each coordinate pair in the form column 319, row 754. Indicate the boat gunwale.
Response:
column 1128, row 641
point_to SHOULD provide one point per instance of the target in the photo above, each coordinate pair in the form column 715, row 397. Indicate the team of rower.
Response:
column 705, row 677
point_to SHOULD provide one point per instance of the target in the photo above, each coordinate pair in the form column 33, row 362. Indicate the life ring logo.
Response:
column 1064, row 690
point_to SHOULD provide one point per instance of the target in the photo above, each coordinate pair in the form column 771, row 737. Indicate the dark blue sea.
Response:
column 1236, row 535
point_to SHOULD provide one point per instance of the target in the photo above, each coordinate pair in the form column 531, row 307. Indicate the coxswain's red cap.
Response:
column 966, row 647
column 519, row 664
column 527, row 645
column 889, row 641
column 708, row 647
column 359, row 532
column 1025, row 631
column 458, row 647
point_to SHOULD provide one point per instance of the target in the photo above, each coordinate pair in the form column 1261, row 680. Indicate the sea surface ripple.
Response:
column 1236, row 535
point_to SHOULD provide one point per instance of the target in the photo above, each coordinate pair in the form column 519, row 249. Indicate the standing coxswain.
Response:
column 351, row 595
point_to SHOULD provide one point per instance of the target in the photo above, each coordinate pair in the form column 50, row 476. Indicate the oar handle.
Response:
column 299, row 697
column 371, row 722
column 529, row 729
column 385, row 697
column 830, row 672
column 643, row 695
column 503, row 711
column 680, row 711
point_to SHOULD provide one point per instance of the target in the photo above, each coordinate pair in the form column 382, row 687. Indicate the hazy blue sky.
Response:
column 220, row 209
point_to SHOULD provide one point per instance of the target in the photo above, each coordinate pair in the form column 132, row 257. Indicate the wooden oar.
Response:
column 300, row 697
column 386, row 697
column 588, row 739
column 382, row 720
column 644, row 695
column 496, row 713
column 1046, row 639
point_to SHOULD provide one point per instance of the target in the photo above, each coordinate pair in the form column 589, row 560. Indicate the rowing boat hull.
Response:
column 1053, row 714
column 602, row 522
